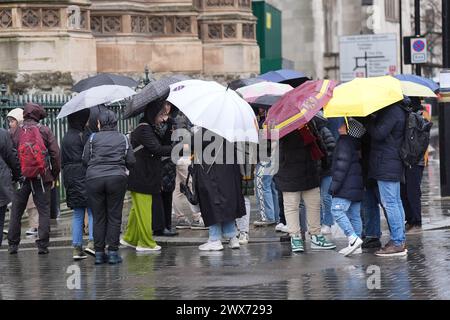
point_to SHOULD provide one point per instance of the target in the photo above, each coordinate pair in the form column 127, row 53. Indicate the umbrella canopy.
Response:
column 251, row 93
column 104, row 79
column 299, row 106
column 95, row 96
column 433, row 86
column 212, row 106
column 155, row 90
column 285, row 76
column 363, row 96
column 412, row 89
column 265, row 102
column 239, row 83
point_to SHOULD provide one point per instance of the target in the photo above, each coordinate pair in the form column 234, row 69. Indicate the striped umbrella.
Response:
column 299, row 106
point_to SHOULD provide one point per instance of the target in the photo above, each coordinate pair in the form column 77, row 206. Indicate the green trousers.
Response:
column 139, row 230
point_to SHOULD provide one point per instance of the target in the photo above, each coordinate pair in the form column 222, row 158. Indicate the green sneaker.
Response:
column 319, row 242
column 297, row 244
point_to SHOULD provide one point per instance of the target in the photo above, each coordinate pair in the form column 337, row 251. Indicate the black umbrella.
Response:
column 265, row 102
column 239, row 83
column 155, row 90
column 104, row 79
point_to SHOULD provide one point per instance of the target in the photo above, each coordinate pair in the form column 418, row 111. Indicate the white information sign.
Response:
column 370, row 55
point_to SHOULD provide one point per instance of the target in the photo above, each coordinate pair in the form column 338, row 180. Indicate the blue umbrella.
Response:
column 419, row 80
column 286, row 76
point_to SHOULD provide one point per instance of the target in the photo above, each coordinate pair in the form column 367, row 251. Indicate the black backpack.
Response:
column 417, row 138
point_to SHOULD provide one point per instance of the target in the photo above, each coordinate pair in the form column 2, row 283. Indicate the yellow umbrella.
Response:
column 412, row 89
column 363, row 96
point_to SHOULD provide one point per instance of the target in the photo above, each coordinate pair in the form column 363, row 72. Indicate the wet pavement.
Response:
column 256, row 271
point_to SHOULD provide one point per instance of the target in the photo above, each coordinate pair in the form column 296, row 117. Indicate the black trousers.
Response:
column 411, row 194
column 2, row 222
column 161, row 211
column 106, row 195
column 41, row 198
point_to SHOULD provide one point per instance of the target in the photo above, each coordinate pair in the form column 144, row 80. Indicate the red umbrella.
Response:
column 297, row 107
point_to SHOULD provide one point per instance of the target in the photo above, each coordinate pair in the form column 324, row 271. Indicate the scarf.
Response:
column 310, row 140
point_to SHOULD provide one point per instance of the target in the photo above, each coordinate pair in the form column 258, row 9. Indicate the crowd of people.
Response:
column 343, row 171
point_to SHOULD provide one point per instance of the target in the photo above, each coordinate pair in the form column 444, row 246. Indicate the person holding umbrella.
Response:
column 145, row 181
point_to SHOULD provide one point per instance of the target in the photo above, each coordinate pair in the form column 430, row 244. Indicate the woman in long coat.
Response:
column 145, row 180
column 218, row 186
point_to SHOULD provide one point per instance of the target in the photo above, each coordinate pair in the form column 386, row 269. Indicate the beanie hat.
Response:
column 16, row 114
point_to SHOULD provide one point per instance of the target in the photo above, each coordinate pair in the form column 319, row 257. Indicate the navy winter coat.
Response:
column 347, row 182
column 387, row 134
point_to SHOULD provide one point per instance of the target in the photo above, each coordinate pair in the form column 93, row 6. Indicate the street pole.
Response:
column 417, row 24
column 444, row 107
column 401, row 35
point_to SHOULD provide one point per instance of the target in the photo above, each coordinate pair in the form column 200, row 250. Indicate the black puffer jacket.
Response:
column 347, row 180
column 330, row 143
column 297, row 172
column 146, row 176
column 105, row 153
column 9, row 167
column 387, row 134
column 73, row 170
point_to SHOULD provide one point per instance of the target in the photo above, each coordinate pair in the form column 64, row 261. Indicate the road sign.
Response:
column 369, row 55
column 418, row 50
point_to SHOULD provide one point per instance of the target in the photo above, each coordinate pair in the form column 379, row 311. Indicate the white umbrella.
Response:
column 212, row 106
column 92, row 97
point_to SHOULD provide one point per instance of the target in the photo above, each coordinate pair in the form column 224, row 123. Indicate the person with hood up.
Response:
column 108, row 157
column 145, row 182
column 74, row 177
column 9, row 167
column 15, row 120
column 387, row 132
column 39, row 186
column 347, row 186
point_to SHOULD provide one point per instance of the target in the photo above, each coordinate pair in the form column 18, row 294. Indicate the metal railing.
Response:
column 52, row 104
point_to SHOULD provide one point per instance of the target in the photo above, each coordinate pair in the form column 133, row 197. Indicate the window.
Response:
column 391, row 10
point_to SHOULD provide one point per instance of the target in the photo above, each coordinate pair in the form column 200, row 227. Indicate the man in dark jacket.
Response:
column 39, row 187
column 386, row 167
column 74, row 177
column 298, row 178
column 9, row 167
column 347, row 186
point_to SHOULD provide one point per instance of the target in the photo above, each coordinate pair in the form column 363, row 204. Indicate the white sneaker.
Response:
column 31, row 232
column 281, row 228
column 352, row 247
column 357, row 251
column 234, row 243
column 145, row 249
column 212, row 246
column 126, row 244
column 243, row 237
column 326, row 230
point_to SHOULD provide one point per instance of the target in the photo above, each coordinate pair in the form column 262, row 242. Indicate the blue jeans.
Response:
column 225, row 230
column 77, row 226
column 326, row 218
column 347, row 216
column 370, row 211
column 392, row 203
column 266, row 195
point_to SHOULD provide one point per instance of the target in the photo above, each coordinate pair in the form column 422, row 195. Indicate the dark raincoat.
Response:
column 73, row 170
column 9, row 168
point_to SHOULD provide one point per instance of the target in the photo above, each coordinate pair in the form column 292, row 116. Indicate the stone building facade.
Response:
column 70, row 39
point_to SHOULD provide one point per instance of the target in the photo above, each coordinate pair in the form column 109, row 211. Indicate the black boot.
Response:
column 100, row 257
column 114, row 258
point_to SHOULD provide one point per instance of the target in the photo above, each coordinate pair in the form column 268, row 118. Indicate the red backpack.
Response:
column 32, row 152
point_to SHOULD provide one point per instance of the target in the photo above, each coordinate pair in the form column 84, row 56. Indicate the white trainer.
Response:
column 281, row 228
column 243, row 237
column 126, row 244
column 212, row 246
column 145, row 249
column 352, row 247
column 234, row 243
